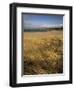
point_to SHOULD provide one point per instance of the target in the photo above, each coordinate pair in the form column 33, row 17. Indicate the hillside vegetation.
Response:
column 43, row 52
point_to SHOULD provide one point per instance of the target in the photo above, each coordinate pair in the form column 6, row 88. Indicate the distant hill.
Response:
column 43, row 29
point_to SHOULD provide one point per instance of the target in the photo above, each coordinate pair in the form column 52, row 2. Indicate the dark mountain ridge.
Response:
column 43, row 29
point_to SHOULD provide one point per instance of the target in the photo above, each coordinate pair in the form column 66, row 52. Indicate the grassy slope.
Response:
column 43, row 52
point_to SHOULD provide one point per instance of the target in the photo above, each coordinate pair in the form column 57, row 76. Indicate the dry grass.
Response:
column 43, row 52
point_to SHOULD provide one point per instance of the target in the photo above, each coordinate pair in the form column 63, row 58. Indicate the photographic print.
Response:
column 42, row 44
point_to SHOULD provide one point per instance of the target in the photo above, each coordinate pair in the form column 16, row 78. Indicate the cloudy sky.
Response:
column 40, row 21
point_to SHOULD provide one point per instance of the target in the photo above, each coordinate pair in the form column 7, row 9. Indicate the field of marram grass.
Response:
column 43, row 52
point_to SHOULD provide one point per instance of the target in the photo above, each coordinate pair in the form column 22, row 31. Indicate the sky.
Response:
column 40, row 21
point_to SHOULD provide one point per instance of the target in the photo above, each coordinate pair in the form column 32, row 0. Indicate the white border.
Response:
column 43, row 78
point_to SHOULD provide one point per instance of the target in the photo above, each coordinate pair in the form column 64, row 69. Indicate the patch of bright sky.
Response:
column 40, row 21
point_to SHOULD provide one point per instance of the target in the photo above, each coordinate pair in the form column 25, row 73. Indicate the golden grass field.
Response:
column 43, row 52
